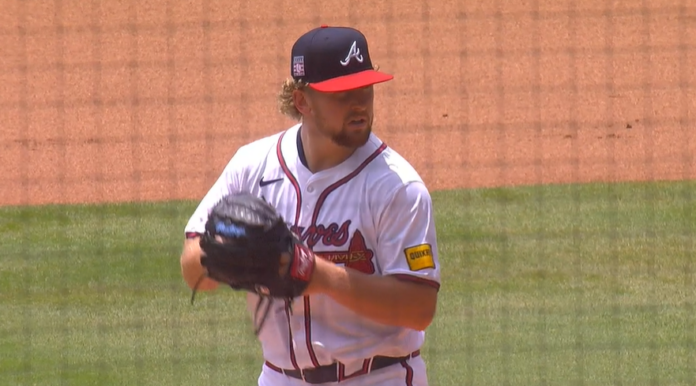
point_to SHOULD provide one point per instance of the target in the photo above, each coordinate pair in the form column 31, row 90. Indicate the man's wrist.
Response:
column 320, row 281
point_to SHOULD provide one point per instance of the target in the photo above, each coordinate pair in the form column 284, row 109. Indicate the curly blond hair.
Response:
column 286, row 105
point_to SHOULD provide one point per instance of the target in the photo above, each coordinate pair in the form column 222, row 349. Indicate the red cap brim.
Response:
column 352, row 81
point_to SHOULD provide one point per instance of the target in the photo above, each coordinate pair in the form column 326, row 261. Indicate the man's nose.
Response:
column 359, row 107
column 360, row 100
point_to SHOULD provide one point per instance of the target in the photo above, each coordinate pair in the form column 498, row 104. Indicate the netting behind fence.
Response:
column 118, row 100
column 147, row 100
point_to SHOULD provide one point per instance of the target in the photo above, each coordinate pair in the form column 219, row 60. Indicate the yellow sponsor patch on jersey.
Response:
column 420, row 257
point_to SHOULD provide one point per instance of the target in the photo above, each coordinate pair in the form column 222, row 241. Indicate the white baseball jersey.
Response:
column 371, row 213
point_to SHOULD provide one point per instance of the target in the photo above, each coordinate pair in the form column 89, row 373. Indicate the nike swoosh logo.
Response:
column 264, row 183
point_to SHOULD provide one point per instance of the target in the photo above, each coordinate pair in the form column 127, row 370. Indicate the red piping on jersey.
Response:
column 298, row 208
column 343, row 180
column 291, row 177
column 409, row 372
column 320, row 202
column 418, row 279
column 315, row 216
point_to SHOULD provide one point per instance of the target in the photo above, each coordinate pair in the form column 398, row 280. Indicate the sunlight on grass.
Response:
column 563, row 285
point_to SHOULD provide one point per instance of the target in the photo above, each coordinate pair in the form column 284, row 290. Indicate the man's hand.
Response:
column 191, row 268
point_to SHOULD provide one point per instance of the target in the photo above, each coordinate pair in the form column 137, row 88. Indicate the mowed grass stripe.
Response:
column 570, row 284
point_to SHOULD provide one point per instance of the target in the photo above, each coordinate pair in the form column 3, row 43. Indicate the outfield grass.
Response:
column 554, row 285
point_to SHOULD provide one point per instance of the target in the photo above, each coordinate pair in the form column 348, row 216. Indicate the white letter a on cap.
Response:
column 353, row 53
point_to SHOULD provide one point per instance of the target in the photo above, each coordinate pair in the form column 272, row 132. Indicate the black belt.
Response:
column 335, row 372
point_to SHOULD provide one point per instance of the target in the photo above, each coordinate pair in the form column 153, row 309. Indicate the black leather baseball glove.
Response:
column 248, row 246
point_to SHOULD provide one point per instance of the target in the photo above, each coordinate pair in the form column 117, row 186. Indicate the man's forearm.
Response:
column 384, row 299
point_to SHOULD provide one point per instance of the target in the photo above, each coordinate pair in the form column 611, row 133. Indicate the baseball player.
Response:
column 362, row 210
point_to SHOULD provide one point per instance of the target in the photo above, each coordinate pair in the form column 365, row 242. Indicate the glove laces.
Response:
column 265, row 301
column 195, row 287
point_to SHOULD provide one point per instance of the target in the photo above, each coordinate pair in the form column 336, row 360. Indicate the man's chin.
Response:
column 354, row 139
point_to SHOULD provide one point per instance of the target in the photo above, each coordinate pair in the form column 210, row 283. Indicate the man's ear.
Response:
column 302, row 101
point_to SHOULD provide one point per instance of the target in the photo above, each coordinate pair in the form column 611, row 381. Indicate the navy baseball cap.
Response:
column 334, row 59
